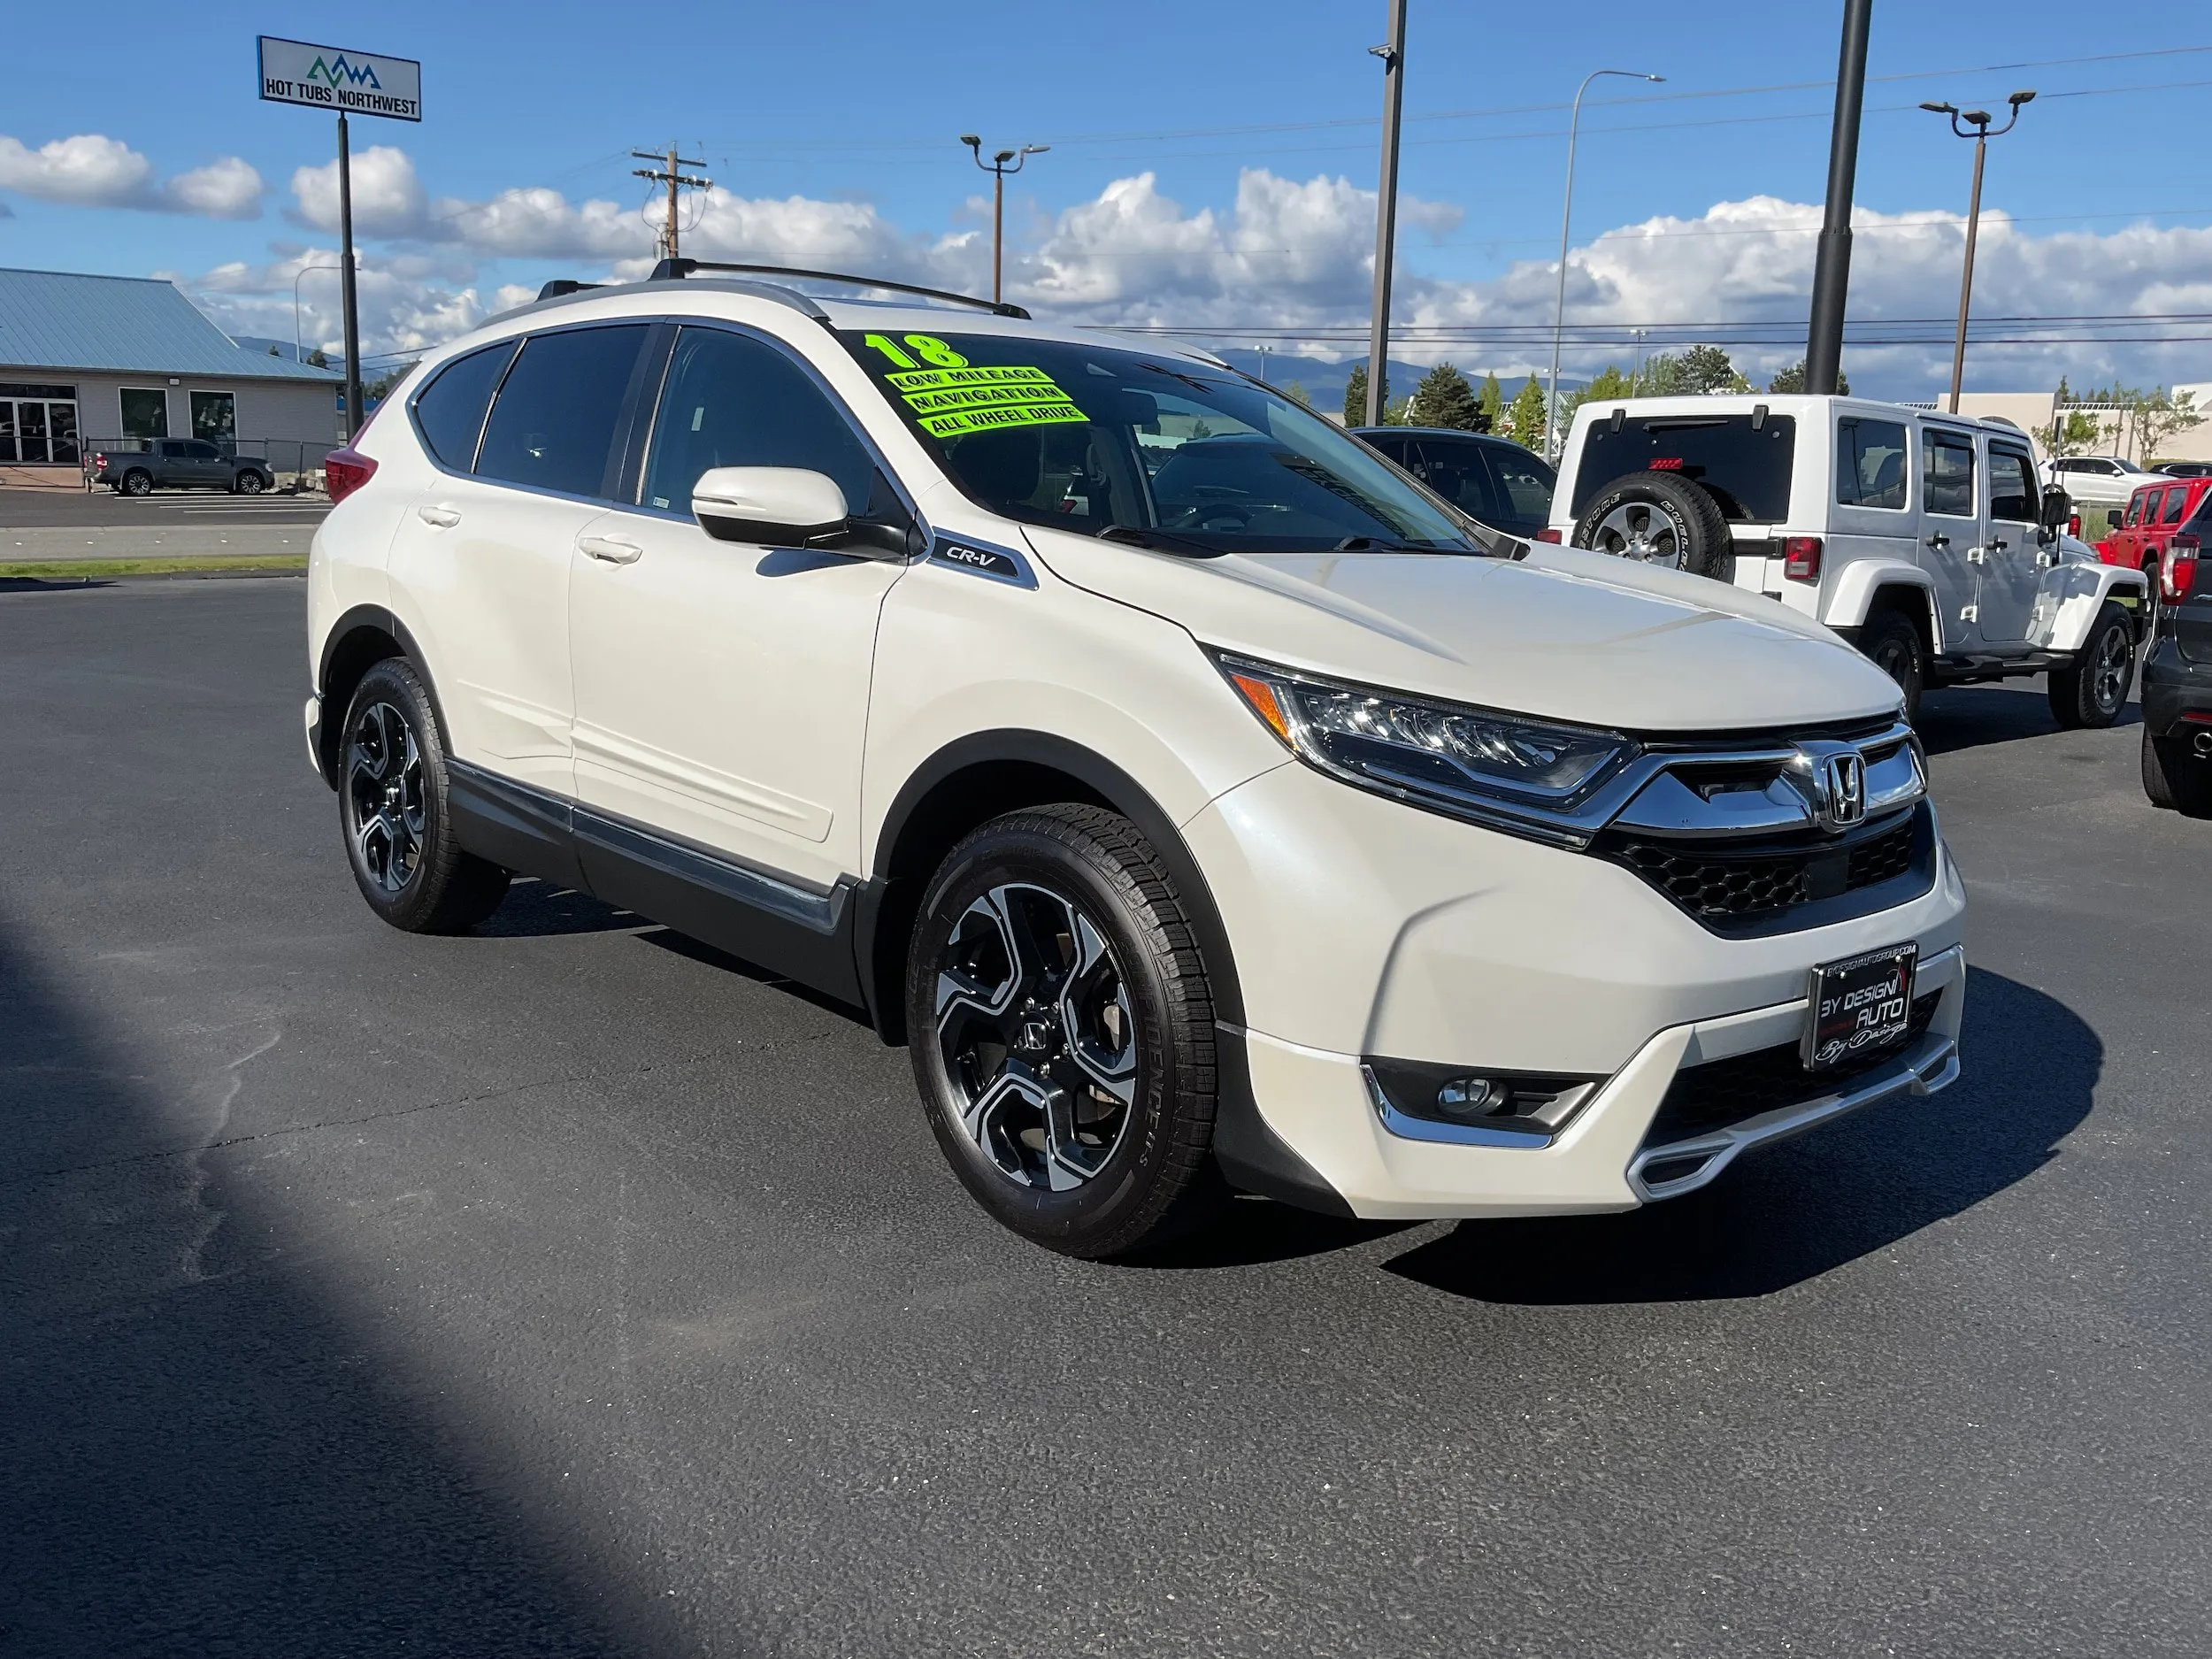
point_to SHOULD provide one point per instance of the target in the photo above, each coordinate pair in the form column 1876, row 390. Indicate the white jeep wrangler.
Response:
column 1923, row 538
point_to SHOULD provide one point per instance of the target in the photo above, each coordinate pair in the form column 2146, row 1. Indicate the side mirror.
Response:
column 768, row 503
column 2057, row 508
column 2112, row 519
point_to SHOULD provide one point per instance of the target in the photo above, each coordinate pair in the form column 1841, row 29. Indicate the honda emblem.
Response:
column 1845, row 776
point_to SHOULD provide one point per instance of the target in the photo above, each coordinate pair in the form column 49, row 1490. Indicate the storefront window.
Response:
column 215, row 416
column 145, row 412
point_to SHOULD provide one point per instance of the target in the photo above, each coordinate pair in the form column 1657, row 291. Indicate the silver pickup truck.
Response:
column 179, row 464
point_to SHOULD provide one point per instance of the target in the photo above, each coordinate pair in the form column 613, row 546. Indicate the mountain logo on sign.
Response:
column 329, row 71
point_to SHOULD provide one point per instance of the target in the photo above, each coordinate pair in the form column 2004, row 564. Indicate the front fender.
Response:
column 1851, row 594
column 2072, row 591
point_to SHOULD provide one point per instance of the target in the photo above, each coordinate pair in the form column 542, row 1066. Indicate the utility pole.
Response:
column 1979, row 120
column 673, row 176
column 1393, row 53
column 998, row 168
column 1831, row 266
column 345, row 281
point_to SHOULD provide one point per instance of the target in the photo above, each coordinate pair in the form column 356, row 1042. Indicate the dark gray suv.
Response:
column 179, row 464
column 1494, row 481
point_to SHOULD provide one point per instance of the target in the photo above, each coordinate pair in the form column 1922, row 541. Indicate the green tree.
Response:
column 1524, row 418
column 2159, row 418
column 1296, row 392
column 1700, row 369
column 1612, row 383
column 1793, row 379
column 316, row 359
column 1491, row 400
column 1443, row 398
column 1355, row 398
column 2071, row 432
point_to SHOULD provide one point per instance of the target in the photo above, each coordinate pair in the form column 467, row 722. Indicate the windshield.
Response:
column 1158, row 450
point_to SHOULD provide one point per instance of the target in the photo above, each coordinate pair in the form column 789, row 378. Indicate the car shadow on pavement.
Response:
column 1975, row 716
column 50, row 584
column 540, row 910
column 203, row 1454
column 1794, row 1212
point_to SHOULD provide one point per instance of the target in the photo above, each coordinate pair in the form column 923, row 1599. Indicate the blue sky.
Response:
column 852, row 114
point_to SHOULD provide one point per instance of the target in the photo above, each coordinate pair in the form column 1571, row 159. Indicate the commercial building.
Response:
column 2035, row 412
column 88, row 362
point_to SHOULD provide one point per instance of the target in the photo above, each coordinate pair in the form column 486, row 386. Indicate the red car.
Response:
column 2144, row 536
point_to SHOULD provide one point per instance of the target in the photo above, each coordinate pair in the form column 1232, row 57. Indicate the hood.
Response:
column 1577, row 636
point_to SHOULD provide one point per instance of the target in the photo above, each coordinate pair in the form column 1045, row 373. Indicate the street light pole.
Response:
column 998, row 170
column 1979, row 120
column 303, row 270
column 1566, row 218
column 1393, row 53
column 1832, row 265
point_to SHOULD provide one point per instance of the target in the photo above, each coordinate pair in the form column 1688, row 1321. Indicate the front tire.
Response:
column 1891, row 643
column 1061, row 1026
column 392, row 806
column 2091, row 691
column 251, row 484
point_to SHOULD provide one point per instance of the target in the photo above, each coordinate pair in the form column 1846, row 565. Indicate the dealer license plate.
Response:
column 1859, row 1007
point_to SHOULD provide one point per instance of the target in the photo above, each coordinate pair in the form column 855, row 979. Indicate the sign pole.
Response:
column 345, row 278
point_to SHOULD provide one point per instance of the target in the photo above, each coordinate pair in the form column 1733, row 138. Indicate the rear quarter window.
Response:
column 1746, row 469
column 451, row 409
column 1871, row 463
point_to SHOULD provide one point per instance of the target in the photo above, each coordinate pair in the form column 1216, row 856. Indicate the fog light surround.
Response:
column 1466, row 1106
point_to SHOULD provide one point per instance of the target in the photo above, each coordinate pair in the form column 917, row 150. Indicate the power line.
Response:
column 674, row 177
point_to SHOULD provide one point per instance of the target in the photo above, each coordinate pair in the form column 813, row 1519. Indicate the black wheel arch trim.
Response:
column 382, row 619
column 1251, row 1155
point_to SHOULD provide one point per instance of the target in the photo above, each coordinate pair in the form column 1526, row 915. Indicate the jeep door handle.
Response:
column 1999, row 544
column 609, row 550
column 1939, row 541
column 444, row 517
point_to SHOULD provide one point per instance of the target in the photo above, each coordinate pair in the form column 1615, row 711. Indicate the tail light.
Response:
column 345, row 471
column 99, row 463
column 1800, row 557
column 1550, row 534
column 2073, row 526
column 2178, row 576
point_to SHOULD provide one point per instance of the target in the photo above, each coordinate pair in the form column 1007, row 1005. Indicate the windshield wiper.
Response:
column 1373, row 544
column 1158, row 541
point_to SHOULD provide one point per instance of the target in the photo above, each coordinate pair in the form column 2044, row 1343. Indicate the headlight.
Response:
column 1503, row 770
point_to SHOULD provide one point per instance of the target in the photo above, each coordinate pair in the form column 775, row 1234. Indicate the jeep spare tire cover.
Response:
column 1661, row 518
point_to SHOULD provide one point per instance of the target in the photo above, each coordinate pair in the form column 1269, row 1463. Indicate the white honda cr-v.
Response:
column 1203, row 801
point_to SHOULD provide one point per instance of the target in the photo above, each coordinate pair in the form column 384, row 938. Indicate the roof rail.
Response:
column 561, row 286
column 670, row 270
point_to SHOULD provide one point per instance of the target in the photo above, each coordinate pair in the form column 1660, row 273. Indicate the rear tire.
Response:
column 2091, row 691
column 2175, row 779
column 392, row 807
column 1660, row 518
column 1892, row 644
column 1061, row 1026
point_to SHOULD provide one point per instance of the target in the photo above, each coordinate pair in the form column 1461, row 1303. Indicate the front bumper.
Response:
column 1363, row 927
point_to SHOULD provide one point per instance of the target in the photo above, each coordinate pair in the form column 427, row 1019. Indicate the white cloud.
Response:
column 387, row 198
column 91, row 169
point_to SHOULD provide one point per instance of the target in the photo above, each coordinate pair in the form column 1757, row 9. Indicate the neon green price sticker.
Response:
column 947, row 403
column 929, row 379
column 952, row 425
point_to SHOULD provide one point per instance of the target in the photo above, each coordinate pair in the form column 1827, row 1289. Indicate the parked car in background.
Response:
column 2184, row 469
column 2155, row 517
column 179, row 464
column 1492, row 480
column 2096, row 482
column 1921, row 537
column 2178, row 688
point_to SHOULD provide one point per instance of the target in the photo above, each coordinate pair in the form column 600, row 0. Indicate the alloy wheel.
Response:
column 2109, row 671
column 1637, row 530
column 1038, row 1037
column 385, row 790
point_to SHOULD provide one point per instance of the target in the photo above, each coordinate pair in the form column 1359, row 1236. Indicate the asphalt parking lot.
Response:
column 567, row 1289
column 105, row 509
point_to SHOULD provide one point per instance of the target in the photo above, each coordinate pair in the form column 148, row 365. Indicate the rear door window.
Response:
column 554, row 425
column 1947, row 474
column 2176, row 499
column 1746, row 468
column 1872, row 458
column 451, row 409
column 1455, row 471
column 2012, row 492
column 1523, row 483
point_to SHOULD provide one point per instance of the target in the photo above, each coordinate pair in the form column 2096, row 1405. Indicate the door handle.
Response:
column 609, row 550
column 2000, row 544
column 1939, row 541
column 444, row 517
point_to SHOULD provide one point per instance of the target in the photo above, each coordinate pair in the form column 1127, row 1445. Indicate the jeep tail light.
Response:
column 345, row 471
column 2179, row 575
column 1800, row 557
column 1550, row 534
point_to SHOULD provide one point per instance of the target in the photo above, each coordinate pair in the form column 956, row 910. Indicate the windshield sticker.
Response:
column 950, row 402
